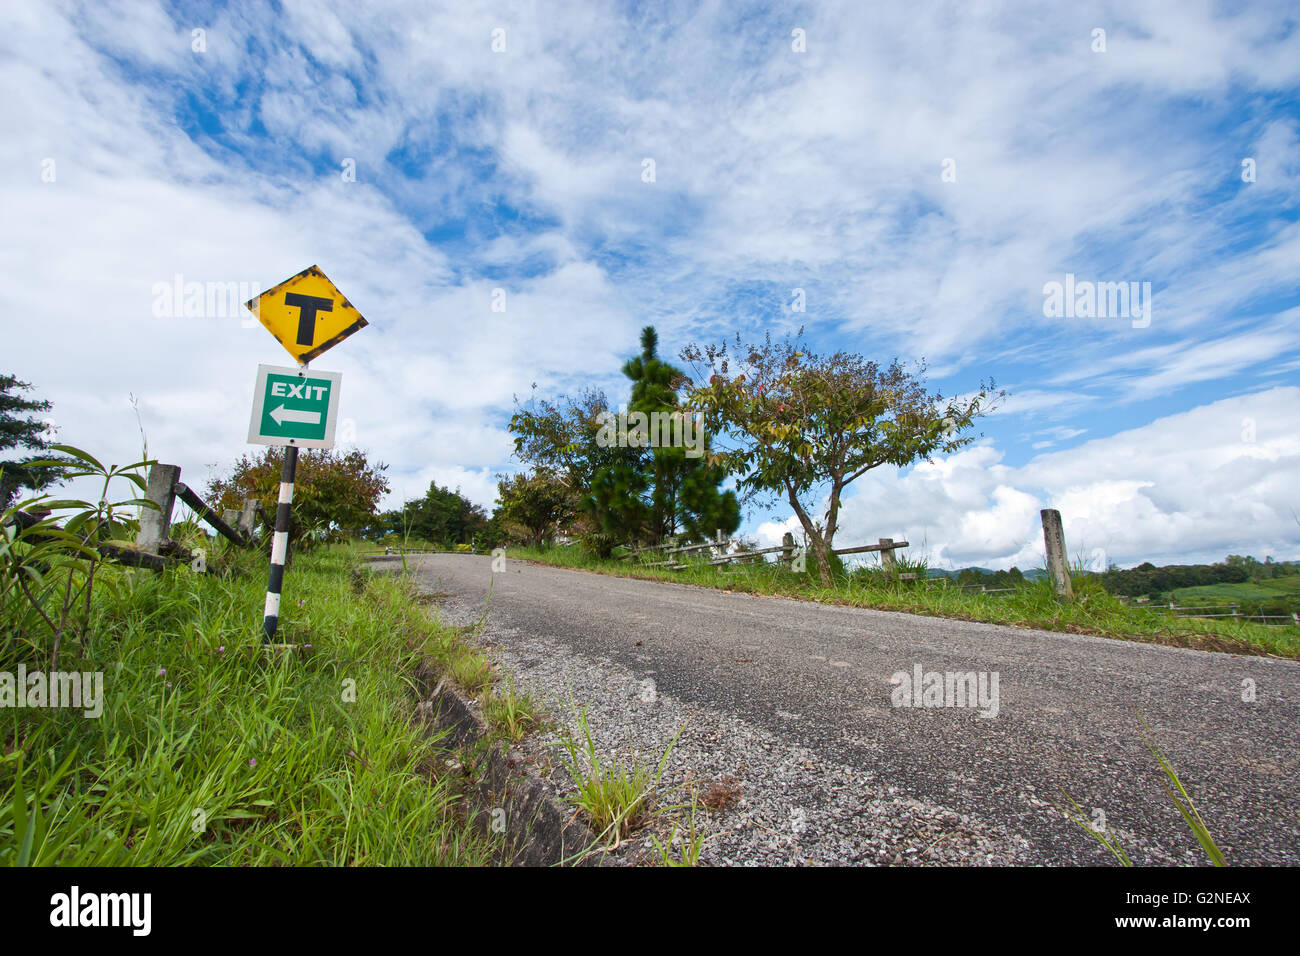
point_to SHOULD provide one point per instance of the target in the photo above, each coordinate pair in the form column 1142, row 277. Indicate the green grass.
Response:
column 1176, row 792
column 688, row 837
column 467, row 668
column 210, row 751
column 616, row 796
column 1033, row 605
column 512, row 713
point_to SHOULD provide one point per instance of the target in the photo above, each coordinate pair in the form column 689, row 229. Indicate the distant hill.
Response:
column 1033, row 574
column 943, row 573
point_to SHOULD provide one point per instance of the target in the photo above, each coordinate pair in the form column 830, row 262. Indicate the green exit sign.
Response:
column 294, row 406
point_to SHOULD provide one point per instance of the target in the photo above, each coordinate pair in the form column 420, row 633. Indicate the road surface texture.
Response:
column 789, row 707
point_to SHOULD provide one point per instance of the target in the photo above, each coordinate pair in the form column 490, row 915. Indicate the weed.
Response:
column 617, row 797
column 1177, row 793
column 512, row 713
column 469, row 669
column 690, row 844
column 206, row 755
column 722, row 793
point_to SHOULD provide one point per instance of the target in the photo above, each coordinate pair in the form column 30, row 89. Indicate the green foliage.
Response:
column 335, row 494
column 18, row 431
column 616, row 500
column 651, row 494
column 839, row 572
column 560, row 439
column 1280, row 595
column 599, row 544
column 968, row 577
column 534, row 506
column 690, row 843
column 618, row 796
column 49, row 558
column 440, row 517
column 511, row 712
column 1176, row 792
column 804, row 426
column 211, row 752
column 1148, row 580
column 469, row 669
column 1256, row 587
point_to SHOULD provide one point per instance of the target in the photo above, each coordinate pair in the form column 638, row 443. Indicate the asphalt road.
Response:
column 819, row 677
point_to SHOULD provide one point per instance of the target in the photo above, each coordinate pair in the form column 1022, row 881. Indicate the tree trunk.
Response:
column 820, row 545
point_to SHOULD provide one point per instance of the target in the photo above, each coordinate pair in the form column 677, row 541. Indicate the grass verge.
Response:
column 210, row 752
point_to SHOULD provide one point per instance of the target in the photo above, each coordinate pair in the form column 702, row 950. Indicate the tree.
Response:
column 562, row 439
column 440, row 516
column 334, row 494
column 802, row 422
column 659, row 489
column 20, row 431
column 537, row 504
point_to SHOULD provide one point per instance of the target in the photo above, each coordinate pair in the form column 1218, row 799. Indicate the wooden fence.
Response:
column 789, row 552
column 1224, row 610
column 153, row 547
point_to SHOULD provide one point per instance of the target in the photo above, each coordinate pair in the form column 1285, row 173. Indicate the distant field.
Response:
column 1247, row 592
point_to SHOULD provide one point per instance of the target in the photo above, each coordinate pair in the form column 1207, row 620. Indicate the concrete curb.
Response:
column 538, row 830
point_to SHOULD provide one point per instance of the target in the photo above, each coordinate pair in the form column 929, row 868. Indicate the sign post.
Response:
column 295, row 407
column 279, row 545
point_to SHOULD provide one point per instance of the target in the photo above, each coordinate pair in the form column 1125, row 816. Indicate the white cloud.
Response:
column 1185, row 487
column 775, row 170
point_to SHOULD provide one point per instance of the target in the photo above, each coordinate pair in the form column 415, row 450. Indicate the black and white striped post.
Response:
column 279, row 544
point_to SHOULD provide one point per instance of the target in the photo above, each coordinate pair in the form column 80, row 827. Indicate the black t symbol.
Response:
column 308, row 306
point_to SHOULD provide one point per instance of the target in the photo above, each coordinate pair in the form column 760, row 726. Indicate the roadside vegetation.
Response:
column 210, row 751
column 1031, row 604
column 621, row 796
column 794, row 429
column 1276, row 596
column 188, row 741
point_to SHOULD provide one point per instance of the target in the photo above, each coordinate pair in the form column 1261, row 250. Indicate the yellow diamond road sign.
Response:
column 307, row 313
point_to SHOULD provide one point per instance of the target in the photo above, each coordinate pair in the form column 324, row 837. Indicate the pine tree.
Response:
column 19, row 431
column 656, row 493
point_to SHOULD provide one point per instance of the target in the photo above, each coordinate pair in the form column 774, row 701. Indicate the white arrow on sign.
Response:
column 282, row 415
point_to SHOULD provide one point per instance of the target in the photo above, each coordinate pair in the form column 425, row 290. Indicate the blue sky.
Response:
column 794, row 147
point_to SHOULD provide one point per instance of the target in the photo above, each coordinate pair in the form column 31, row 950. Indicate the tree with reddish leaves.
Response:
column 803, row 425
column 335, row 494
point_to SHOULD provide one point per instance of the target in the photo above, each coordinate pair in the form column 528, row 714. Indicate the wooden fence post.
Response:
column 205, row 513
column 787, row 547
column 1054, row 540
column 156, row 525
column 247, row 515
column 887, row 562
